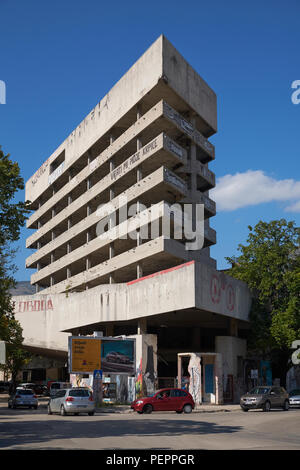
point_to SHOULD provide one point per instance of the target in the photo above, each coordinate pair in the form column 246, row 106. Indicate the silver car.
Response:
column 294, row 398
column 73, row 400
column 23, row 397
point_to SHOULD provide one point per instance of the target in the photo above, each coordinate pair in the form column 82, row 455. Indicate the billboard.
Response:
column 118, row 356
column 84, row 354
column 87, row 354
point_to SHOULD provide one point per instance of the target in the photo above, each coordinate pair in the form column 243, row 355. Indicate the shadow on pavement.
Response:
column 36, row 431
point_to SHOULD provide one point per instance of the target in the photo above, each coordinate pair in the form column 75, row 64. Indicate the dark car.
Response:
column 167, row 399
column 265, row 397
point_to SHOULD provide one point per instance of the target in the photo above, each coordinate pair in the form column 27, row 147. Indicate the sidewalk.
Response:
column 206, row 408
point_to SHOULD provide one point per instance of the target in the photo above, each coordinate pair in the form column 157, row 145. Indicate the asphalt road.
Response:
column 30, row 429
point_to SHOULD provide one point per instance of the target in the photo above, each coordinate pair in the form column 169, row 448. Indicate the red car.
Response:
column 167, row 399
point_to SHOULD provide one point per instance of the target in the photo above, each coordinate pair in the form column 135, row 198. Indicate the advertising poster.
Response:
column 84, row 355
column 118, row 356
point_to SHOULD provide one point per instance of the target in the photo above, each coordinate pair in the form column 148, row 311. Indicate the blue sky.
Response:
column 59, row 58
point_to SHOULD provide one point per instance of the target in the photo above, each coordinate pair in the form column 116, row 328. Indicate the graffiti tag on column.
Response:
column 230, row 297
column 215, row 289
column 219, row 284
column 34, row 306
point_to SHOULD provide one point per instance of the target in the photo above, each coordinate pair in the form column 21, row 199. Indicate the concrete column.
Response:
column 88, row 210
column 53, row 212
column 109, row 330
column 88, row 236
column 51, row 281
column 139, row 176
column 69, row 223
column 52, row 257
column 69, row 274
column 233, row 327
column 142, row 326
column 39, row 245
column 88, row 263
column 39, row 224
column 179, row 366
column 38, row 266
column 111, row 249
column 69, row 247
column 52, row 235
column 37, row 288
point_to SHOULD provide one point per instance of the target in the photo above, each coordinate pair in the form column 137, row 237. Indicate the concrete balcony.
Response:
column 159, row 185
column 161, row 151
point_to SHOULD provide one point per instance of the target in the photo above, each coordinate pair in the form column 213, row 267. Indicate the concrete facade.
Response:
column 107, row 209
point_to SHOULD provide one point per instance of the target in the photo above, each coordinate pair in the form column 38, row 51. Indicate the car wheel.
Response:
column 148, row 409
column 91, row 413
column 140, row 412
column 49, row 410
column 62, row 411
column 187, row 409
column 76, row 414
column 267, row 406
column 179, row 412
column 245, row 409
column 286, row 405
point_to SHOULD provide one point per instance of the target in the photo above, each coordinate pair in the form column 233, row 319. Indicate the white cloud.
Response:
column 293, row 207
column 252, row 188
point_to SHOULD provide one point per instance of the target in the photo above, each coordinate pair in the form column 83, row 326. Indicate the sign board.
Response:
column 84, row 354
column 111, row 355
column 2, row 352
column 254, row 374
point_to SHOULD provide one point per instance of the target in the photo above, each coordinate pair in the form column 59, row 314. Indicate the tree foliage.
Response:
column 270, row 265
column 12, row 218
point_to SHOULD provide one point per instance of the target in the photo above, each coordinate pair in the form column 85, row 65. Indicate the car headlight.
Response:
column 139, row 402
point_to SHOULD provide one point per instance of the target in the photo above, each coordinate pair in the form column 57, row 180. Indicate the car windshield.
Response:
column 79, row 393
column 259, row 391
column 24, row 392
column 294, row 393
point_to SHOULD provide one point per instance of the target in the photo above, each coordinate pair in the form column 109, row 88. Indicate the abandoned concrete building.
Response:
column 136, row 159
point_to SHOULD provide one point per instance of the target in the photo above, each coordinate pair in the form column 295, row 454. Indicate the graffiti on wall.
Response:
column 220, row 287
column 33, row 306
column 194, row 370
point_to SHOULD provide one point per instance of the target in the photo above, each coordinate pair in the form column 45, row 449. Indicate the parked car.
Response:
column 294, row 398
column 72, row 400
column 37, row 388
column 55, row 386
column 23, row 397
column 166, row 399
column 265, row 397
column 117, row 357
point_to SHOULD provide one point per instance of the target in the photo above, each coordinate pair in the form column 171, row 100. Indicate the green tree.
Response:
column 270, row 265
column 12, row 217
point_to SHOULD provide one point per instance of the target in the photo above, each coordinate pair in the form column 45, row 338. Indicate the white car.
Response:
column 23, row 397
column 294, row 398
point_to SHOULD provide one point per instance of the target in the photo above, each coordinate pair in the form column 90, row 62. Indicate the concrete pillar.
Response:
column 69, row 274
column 52, row 235
column 38, row 266
column 88, row 263
column 69, row 223
column 139, row 176
column 37, row 288
column 88, row 210
column 142, row 326
column 52, row 257
column 111, row 249
column 109, row 330
column 233, row 327
column 88, row 236
column 51, row 281
column 69, row 247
